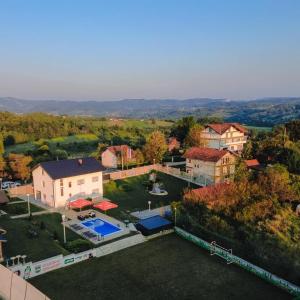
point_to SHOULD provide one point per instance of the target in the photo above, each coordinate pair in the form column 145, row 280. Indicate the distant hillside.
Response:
column 263, row 112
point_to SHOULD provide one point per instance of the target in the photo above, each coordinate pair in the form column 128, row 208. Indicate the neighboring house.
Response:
column 209, row 166
column 231, row 136
column 254, row 164
column 116, row 155
column 173, row 144
column 56, row 182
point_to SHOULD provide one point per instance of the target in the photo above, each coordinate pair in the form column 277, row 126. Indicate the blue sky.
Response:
column 106, row 50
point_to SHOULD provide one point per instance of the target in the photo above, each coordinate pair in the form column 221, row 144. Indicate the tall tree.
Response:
column 155, row 147
column 1, row 145
column 19, row 165
column 194, row 137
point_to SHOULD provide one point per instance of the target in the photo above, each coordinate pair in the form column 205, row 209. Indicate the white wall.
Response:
column 232, row 139
column 51, row 189
column 87, row 188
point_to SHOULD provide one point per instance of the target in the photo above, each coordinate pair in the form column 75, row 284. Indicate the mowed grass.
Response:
column 41, row 247
column 165, row 268
column 131, row 193
column 20, row 208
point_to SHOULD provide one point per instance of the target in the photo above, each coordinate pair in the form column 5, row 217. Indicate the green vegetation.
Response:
column 164, row 268
column 35, row 237
column 131, row 194
column 255, row 215
column 20, row 208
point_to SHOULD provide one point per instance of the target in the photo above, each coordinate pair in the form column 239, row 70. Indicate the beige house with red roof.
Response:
column 116, row 155
column 210, row 165
column 231, row 136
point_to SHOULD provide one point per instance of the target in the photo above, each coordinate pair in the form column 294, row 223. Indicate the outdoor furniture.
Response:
column 76, row 227
column 81, row 217
column 79, row 203
column 92, row 214
column 89, row 234
column 105, row 205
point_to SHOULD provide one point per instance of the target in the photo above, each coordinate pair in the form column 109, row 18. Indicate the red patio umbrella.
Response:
column 79, row 203
column 105, row 205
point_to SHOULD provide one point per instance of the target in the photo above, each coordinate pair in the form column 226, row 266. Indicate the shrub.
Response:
column 42, row 225
column 78, row 245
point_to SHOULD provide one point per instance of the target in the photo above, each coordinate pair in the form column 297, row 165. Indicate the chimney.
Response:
column 80, row 161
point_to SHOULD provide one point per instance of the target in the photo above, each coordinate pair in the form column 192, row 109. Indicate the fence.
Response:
column 13, row 287
column 21, row 190
column 30, row 269
column 275, row 280
column 132, row 172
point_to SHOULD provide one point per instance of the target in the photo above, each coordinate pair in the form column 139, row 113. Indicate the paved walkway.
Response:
column 144, row 214
column 37, row 213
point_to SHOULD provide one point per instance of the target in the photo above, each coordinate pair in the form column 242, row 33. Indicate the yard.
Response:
column 36, row 248
column 131, row 194
column 164, row 268
column 19, row 208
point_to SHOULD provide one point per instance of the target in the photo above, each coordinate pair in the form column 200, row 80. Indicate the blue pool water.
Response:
column 101, row 227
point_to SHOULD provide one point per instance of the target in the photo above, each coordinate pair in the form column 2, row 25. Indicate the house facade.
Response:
column 116, row 155
column 173, row 144
column 57, row 182
column 231, row 136
column 210, row 166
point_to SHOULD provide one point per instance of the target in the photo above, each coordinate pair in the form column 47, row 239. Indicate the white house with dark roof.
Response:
column 57, row 182
column 231, row 136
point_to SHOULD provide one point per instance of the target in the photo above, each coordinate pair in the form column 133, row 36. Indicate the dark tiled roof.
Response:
column 71, row 167
column 221, row 128
column 205, row 154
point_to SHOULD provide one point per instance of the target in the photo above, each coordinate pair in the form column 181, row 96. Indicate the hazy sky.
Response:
column 112, row 49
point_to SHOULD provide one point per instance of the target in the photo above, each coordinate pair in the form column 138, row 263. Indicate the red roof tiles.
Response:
column 252, row 162
column 222, row 127
column 205, row 154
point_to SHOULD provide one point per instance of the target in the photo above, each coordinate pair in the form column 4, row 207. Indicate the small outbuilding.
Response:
column 153, row 225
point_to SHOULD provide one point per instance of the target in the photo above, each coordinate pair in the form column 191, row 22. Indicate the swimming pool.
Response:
column 101, row 227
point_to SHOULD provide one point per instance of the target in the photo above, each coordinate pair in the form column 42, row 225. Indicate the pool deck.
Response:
column 74, row 224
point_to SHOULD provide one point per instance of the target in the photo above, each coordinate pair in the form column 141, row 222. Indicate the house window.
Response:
column 95, row 179
column 80, row 181
column 61, row 182
column 189, row 160
column 43, row 183
column 70, row 195
column 95, row 191
column 42, row 171
column 44, row 196
column 70, row 184
column 62, row 191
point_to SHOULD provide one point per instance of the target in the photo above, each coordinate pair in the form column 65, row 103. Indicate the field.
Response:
column 37, row 248
column 131, row 194
column 61, row 141
column 259, row 128
column 164, row 268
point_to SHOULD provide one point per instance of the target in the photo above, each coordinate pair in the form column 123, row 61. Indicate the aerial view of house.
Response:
column 57, row 182
column 231, row 136
column 150, row 150
column 210, row 165
column 115, row 156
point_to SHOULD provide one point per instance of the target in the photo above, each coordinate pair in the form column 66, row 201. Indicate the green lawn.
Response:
column 44, row 245
column 131, row 194
column 20, row 208
column 164, row 268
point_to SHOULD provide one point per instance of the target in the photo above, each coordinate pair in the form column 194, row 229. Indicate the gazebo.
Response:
column 105, row 205
column 79, row 203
